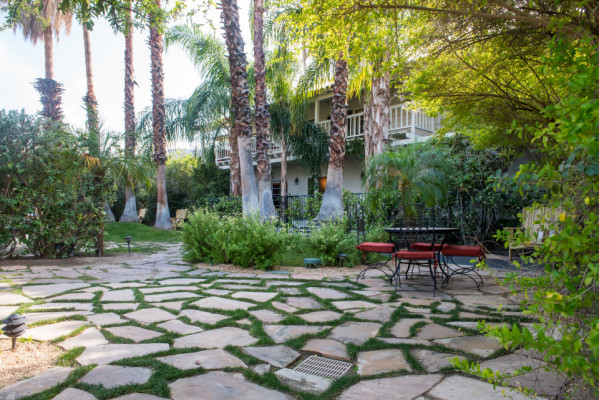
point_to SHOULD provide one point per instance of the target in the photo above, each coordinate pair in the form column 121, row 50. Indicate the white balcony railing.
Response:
column 402, row 120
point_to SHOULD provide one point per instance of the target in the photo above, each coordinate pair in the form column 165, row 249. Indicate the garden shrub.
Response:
column 52, row 201
column 243, row 240
column 328, row 240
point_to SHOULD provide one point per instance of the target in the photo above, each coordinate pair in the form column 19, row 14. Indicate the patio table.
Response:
column 397, row 233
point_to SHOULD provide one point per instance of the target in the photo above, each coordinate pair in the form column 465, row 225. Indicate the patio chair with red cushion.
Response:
column 449, row 251
column 379, row 248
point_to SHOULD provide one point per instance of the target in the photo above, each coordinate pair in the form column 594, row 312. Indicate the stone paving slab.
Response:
column 329, row 294
column 402, row 328
column 106, row 319
column 110, row 376
column 39, row 291
column 216, row 338
column 204, row 317
column 113, row 352
column 402, row 387
column 74, row 394
column 280, row 356
column 181, row 281
column 380, row 314
column 134, row 333
column 138, row 396
column 283, row 333
column 52, row 315
column 267, row 316
column 405, row 341
column 37, row 384
column 53, row 331
column 284, row 307
column 432, row 361
column 120, row 306
column 221, row 386
column 381, row 361
column 304, row 303
column 355, row 332
column 173, row 305
column 220, row 303
column 459, row 388
column 125, row 285
column 303, row 382
column 170, row 296
column 327, row 348
column 150, row 315
column 179, row 327
column 320, row 316
column 89, row 338
column 118, row 295
column 207, row 359
column 255, row 296
column 166, row 289
column 217, row 292
column 480, row 345
column 347, row 305
column 73, row 296
column 62, row 306
column 434, row 331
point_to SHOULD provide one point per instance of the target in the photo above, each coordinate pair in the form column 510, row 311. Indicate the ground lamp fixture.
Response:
column 128, row 239
column 342, row 256
column 15, row 327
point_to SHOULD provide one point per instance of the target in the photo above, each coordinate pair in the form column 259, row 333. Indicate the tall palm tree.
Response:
column 261, row 118
column 209, row 108
column 332, row 201
column 130, row 212
column 41, row 26
column 163, row 220
column 377, row 114
column 91, row 104
column 240, row 102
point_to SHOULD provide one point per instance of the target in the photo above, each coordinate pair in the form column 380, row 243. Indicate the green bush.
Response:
column 244, row 240
column 53, row 195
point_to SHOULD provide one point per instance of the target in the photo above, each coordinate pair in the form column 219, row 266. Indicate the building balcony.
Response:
column 405, row 126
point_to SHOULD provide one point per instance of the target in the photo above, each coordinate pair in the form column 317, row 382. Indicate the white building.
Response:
column 406, row 126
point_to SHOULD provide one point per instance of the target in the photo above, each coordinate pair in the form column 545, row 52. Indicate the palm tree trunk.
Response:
column 377, row 116
column 50, row 90
column 163, row 218
column 91, row 104
column 234, row 172
column 241, row 103
column 261, row 118
column 130, row 212
column 332, row 201
column 283, row 167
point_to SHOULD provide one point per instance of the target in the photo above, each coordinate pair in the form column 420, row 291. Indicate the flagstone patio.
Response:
column 128, row 339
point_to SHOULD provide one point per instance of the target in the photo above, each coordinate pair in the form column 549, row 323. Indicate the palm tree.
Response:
column 130, row 212
column 91, row 104
column 261, row 118
column 414, row 172
column 41, row 26
column 163, row 220
column 240, row 102
column 332, row 201
column 208, row 110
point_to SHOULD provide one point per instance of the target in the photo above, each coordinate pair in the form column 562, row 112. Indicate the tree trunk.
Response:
column 109, row 214
column 283, row 167
column 377, row 116
column 234, row 173
column 91, row 104
column 332, row 200
column 130, row 213
column 163, row 220
column 49, row 53
column 241, row 103
column 261, row 118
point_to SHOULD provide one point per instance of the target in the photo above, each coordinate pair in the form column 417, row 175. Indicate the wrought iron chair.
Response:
column 413, row 258
column 448, row 252
column 364, row 248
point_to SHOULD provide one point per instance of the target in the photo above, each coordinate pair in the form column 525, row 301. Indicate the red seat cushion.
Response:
column 373, row 247
column 415, row 255
column 425, row 246
column 464, row 251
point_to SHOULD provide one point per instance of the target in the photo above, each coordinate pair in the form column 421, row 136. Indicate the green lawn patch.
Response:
column 116, row 232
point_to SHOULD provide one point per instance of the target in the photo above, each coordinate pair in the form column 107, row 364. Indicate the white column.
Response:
column 316, row 110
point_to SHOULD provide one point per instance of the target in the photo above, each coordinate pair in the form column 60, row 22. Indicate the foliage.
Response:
column 416, row 173
column 328, row 240
column 243, row 240
column 52, row 200
column 565, row 298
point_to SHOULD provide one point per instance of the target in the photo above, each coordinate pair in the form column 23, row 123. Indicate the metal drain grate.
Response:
column 323, row 367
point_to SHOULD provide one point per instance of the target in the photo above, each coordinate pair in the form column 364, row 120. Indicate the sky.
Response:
column 22, row 62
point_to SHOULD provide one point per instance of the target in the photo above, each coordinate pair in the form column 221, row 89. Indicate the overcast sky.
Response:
column 22, row 62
